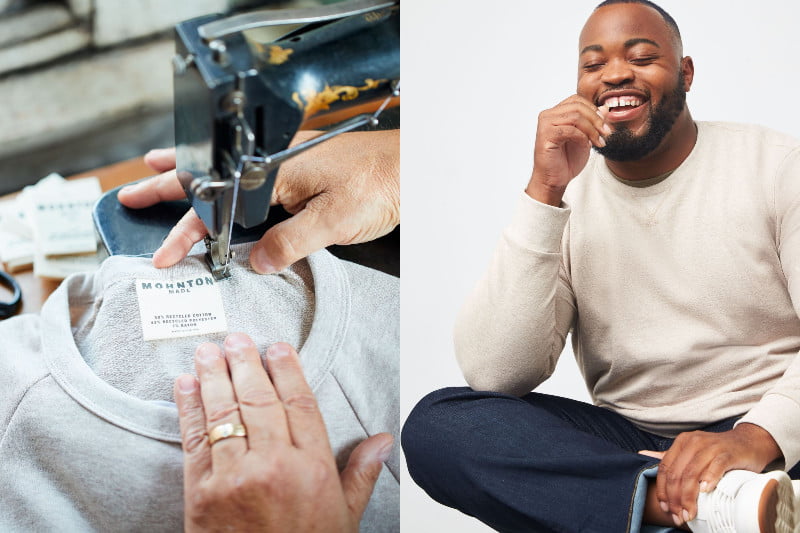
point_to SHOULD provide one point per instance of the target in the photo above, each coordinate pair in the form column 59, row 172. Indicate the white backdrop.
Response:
column 475, row 76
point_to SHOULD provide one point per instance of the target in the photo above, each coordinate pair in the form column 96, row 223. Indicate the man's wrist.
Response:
column 544, row 193
column 764, row 446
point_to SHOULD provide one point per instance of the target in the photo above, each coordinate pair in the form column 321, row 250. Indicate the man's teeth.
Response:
column 622, row 101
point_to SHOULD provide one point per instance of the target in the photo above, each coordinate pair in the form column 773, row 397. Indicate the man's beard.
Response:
column 623, row 145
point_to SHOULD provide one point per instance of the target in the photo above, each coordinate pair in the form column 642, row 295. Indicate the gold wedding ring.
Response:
column 224, row 431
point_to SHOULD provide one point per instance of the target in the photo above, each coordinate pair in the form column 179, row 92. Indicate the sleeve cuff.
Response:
column 778, row 415
column 538, row 226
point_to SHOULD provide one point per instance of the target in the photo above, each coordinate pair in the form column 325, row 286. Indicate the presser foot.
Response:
column 218, row 263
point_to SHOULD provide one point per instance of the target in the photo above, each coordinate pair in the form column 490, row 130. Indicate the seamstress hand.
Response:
column 280, row 476
column 564, row 136
column 343, row 191
column 697, row 460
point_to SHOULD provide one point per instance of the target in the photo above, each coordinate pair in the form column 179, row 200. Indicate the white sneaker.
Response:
column 746, row 502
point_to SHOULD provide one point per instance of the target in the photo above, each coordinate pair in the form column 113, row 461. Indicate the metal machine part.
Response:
column 10, row 307
column 239, row 103
column 272, row 17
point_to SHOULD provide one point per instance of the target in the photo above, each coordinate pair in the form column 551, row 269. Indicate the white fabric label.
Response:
column 62, row 216
column 61, row 266
column 180, row 307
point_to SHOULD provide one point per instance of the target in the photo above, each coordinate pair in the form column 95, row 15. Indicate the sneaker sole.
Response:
column 776, row 506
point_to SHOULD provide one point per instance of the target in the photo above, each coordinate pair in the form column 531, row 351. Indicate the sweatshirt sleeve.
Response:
column 778, row 411
column 512, row 328
column 21, row 364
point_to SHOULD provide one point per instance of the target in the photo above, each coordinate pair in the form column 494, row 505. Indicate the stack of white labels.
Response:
column 49, row 226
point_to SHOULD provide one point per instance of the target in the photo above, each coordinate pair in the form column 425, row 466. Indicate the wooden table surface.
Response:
column 36, row 290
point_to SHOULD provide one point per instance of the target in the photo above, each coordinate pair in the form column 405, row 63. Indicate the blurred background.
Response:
column 86, row 83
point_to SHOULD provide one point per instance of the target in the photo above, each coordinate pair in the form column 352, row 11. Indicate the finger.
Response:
column 196, row 452
column 297, row 177
column 562, row 135
column 716, row 468
column 586, row 120
column 690, row 484
column 596, row 114
column 306, row 427
column 710, row 467
column 362, row 471
column 680, row 473
column 651, row 453
column 160, row 160
column 219, row 403
column 259, row 405
column 162, row 188
column 292, row 240
column 177, row 244
column 586, row 126
column 667, row 471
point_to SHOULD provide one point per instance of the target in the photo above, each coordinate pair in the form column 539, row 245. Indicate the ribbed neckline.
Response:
column 155, row 419
column 642, row 183
column 656, row 185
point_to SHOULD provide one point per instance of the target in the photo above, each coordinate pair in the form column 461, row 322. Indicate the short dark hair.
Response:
column 666, row 16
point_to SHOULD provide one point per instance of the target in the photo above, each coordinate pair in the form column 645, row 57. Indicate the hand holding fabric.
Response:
column 343, row 191
column 281, row 476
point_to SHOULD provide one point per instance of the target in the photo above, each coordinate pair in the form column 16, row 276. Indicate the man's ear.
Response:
column 687, row 69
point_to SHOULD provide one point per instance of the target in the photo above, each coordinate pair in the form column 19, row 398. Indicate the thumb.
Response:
column 362, row 471
column 292, row 240
column 160, row 160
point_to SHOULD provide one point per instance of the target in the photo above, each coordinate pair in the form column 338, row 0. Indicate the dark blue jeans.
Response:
column 537, row 463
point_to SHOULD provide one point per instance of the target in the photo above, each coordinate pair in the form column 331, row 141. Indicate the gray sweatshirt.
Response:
column 89, row 437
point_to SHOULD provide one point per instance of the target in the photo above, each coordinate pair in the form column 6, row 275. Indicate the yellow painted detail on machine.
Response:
column 374, row 16
column 278, row 55
column 312, row 102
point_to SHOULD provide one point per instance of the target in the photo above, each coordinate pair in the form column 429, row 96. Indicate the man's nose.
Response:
column 617, row 72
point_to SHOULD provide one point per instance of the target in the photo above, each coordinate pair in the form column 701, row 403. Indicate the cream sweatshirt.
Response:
column 682, row 297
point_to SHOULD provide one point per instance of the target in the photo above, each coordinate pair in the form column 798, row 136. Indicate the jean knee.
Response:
column 435, row 432
column 424, row 423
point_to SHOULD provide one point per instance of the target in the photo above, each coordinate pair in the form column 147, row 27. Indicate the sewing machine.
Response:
column 239, row 103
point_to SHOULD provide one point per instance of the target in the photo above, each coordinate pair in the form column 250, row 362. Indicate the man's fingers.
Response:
column 669, row 475
column 708, row 465
column 306, row 426
column 292, row 240
column 197, row 454
column 261, row 409
column 362, row 471
column 690, row 486
column 189, row 230
column 162, row 188
column 678, row 480
column 219, row 403
column 160, row 160
column 586, row 125
column 713, row 473
column 652, row 453
column 582, row 114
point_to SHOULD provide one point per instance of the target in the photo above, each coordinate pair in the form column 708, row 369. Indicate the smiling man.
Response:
column 672, row 253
